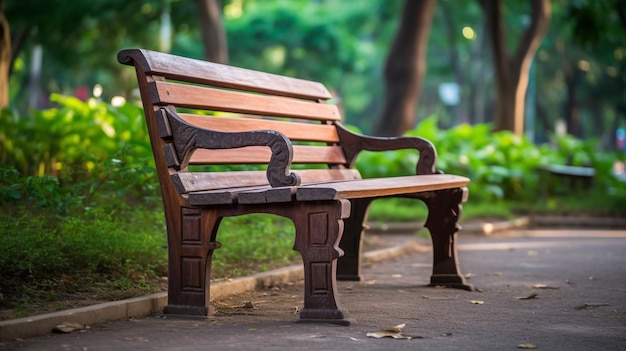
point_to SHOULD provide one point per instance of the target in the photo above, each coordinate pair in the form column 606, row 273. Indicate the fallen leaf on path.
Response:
column 394, row 332
column 67, row 327
column 526, row 346
column 543, row 286
column 590, row 305
column 469, row 276
column 529, row 297
column 477, row 302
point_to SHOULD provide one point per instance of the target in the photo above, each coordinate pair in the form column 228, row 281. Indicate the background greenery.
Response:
column 578, row 70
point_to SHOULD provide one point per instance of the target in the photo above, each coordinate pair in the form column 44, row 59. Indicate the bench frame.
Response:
column 328, row 208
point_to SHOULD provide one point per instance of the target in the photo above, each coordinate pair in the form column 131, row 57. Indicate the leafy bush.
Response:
column 501, row 165
column 68, row 138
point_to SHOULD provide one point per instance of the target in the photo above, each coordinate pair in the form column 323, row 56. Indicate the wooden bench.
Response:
column 201, row 113
column 575, row 178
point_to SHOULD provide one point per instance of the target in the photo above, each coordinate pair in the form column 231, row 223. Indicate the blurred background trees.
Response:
column 575, row 82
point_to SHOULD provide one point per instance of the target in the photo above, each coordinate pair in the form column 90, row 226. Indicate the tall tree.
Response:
column 512, row 72
column 598, row 27
column 405, row 69
column 5, row 58
column 213, row 33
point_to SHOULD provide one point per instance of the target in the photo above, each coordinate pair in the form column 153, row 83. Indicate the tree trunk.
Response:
column 213, row 33
column 572, row 110
column 512, row 71
column 405, row 69
column 5, row 59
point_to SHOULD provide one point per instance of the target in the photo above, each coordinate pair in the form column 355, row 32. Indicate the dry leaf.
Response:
column 395, row 328
column 469, row 276
column 526, row 346
column 394, row 332
column 67, row 327
column 477, row 302
column 591, row 305
column 543, row 286
column 529, row 297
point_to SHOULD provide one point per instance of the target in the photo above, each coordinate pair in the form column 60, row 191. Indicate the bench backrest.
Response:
column 229, row 99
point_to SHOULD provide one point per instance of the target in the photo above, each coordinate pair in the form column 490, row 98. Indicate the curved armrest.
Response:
column 186, row 138
column 354, row 143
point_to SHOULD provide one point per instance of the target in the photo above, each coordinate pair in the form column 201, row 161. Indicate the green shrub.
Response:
column 67, row 138
column 502, row 166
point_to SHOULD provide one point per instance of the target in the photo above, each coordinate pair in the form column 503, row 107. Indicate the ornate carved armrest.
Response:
column 183, row 138
column 354, row 143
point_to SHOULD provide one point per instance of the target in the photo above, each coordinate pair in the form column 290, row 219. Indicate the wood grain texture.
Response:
column 191, row 96
column 209, row 73
column 302, row 154
column 295, row 131
column 379, row 187
column 199, row 181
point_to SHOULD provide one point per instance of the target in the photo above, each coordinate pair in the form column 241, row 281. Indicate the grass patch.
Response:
column 49, row 260
column 253, row 243
column 397, row 210
column 45, row 257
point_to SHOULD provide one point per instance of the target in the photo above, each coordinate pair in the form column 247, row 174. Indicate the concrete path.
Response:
column 549, row 289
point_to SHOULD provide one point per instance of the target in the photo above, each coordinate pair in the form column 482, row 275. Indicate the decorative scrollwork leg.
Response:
column 318, row 232
column 191, row 247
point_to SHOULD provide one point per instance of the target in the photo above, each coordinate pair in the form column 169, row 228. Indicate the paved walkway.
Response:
column 551, row 289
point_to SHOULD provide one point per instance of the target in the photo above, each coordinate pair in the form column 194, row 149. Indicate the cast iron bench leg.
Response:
column 191, row 247
column 349, row 265
column 319, row 227
column 444, row 210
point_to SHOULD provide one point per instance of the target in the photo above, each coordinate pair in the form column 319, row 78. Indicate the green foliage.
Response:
column 501, row 165
column 68, row 138
column 338, row 43
column 40, row 245
column 253, row 241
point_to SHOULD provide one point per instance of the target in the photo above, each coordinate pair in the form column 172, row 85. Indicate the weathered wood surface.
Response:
column 244, row 118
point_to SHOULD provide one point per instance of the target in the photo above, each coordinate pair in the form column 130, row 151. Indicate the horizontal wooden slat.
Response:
column 203, row 72
column 261, row 155
column 363, row 188
column 191, row 96
column 377, row 187
column 219, row 196
column 293, row 130
column 200, row 181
